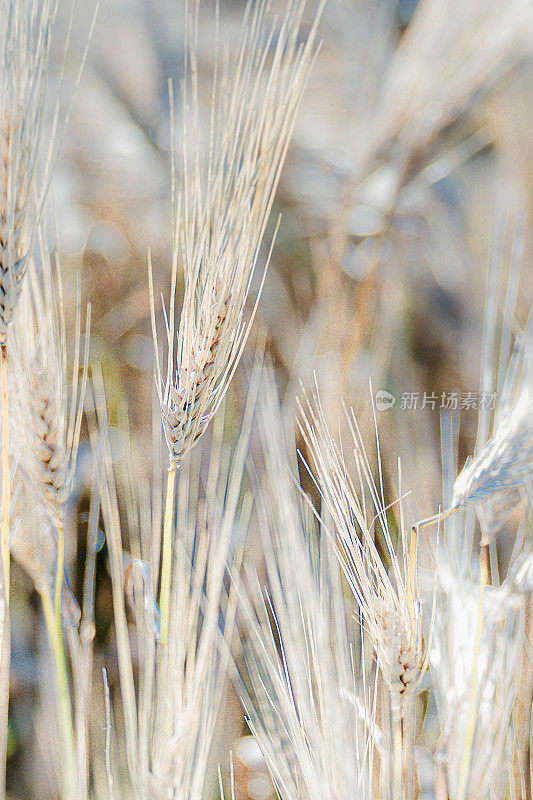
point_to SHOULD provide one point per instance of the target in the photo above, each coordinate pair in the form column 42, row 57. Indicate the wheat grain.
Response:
column 47, row 404
column 46, row 412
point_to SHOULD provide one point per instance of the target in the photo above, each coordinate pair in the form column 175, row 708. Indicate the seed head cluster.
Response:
column 222, row 211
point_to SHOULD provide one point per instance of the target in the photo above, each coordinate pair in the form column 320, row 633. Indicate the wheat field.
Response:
column 266, row 359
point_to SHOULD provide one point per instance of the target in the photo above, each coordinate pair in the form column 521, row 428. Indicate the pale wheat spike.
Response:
column 506, row 461
column 389, row 602
column 222, row 210
column 221, row 213
column 303, row 687
column 46, row 406
column 25, row 31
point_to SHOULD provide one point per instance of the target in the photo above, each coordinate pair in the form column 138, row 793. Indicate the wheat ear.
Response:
column 389, row 604
column 221, row 213
column 304, row 686
column 46, row 416
column 47, row 404
column 25, row 30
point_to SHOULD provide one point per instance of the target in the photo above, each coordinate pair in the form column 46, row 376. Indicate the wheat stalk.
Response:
column 170, row 725
column 474, row 661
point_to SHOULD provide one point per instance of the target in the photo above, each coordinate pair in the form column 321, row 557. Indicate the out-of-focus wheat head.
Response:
column 452, row 659
column 222, row 209
column 303, row 686
column 389, row 603
column 453, row 52
column 25, row 31
column 506, row 461
column 47, row 405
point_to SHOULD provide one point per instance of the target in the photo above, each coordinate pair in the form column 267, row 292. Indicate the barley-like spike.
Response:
column 305, row 697
column 46, row 413
column 222, row 209
column 24, row 50
column 506, row 461
column 389, row 603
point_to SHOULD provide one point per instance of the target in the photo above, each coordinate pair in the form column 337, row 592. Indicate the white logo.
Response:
column 384, row 400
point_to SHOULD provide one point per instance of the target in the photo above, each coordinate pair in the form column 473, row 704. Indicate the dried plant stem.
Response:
column 441, row 791
column 523, row 706
column 412, row 570
column 5, row 657
column 408, row 732
column 166, row 564
column 108, row 767
column 383, row 789
column 6, row 472
column 59, row 577
column 398, row 767
column 65, row 716
column 471, row 719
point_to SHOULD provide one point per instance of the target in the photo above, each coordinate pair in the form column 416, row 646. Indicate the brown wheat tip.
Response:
column 222, row 210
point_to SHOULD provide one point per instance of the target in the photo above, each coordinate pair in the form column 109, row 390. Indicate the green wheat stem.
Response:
column 166, row 565
column 59, row 578
column 65, row 716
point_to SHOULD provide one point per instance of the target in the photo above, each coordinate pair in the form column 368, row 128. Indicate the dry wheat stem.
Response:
column 471, row 718
column 167, row 554
column 99, row 434
column 6, row 472
column 59, row 578
column 5, row 659
column 4, row 548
